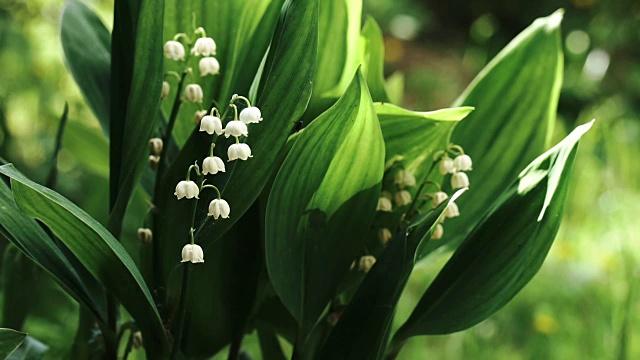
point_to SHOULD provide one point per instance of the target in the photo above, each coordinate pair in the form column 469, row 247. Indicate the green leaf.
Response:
column 372, row 59
column 322, row 204
column 503, row 252
column 32, row 349
column 86, row 43
column 395, row 87
column 17, row 270
column 138, row 93
column 363, row 327
column 516, row 97
column 9, row 341
column 28, row 236
column 95, row 248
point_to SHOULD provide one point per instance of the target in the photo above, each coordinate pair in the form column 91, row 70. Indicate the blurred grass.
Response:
column 583, row 304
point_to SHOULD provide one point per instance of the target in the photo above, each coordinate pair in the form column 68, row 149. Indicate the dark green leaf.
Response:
column 31, row 349
column 322, row 204
column 86, row 43
column 9, row 341
column 95, row 248
column 503, row 252
column 516, row 97
column 17, row 270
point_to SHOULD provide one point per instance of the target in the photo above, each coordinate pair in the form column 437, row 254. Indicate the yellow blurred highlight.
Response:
column 544, row 324
column 394, row 50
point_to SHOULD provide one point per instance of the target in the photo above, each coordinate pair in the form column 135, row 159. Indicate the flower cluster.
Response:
column 402, row 181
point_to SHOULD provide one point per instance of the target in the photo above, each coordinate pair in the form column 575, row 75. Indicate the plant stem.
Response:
column 396, row 347
column 234, row 349
column 182, row 313
column 417, row 195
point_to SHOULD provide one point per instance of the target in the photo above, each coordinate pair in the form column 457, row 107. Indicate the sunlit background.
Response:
column 584, row 303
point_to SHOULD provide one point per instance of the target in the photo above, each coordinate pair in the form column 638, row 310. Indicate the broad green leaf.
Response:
column 363, row 327
column 372, row 59
column 86, row 43
column 516, row 97
column 9, row 341
column 322, row 204
column 28, row 236
column 136, row 86
column 503, row 252
column 17, row 270
column 95, row 248
column 287, row 87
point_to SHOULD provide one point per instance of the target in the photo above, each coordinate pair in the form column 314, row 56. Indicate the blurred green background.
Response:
column 584, row 303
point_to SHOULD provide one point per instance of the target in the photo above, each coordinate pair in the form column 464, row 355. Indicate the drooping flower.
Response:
column 212, row 165
column 384, row 235
column 155, row 146
column 192, row 253
column 438, row 232
column 446, row 166
column 236, row 128
column 384, row 204
column 188, row 189
column 366, row 263
column 174, row 50
column 250, row 115
column 402, row 198
column 219, row 208
column 193, row 93
column 211, row 124
column 452, row 210
column 239, row 151
column 405, row 178
column 209, row 66
column 459, row 180
column 462, row 163
column 154, row 160
column 199, row 115
column 439, row 197
column 165, row 90
column 204, row 46
column 145, row 235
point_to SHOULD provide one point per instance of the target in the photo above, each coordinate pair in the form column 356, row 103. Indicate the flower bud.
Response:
column 154, row 160
column 145, row 235
column 219, row 208
column 459, row 180
column 462, row 163
column 439, row 197
column 192, row 253
column 211, row 124
column 209, row 66
column 212, row 165
column 198, row 115
column 446, row 166
column 174, row 50
column 155, row 146
column 250, row 115
column 402, row 198
column 438, row 232
column 165, row 90
column 204, row 46
column 366, row 262
column 235, row 128
column 193, row 93
column 384, row 204
column 136, row 340
column 452, row 210
column 239, row 151
column 405, row 178
column 386, row 194
column 384, row 235
column 188, row 189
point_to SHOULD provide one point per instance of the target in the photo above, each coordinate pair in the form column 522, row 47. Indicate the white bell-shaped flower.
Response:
column 154, row 160
column 204, row 46
column 452, row 210
column 459, row 180
column 384, row 235
column 174, row 50
column 155, row 146
column 239, row 151
column 212, row 165
column 236, row 128
column 439, row 197
column 446, row 166
column 402, row 198
column 405, row 178
column 250, row 115
column 165, row 90
column 192, row 253
column 438, row 232
column 462, row 163
column 145, row 235
column 211, row 124
column 209, row 66
column 188, row 189
column 198, row 115
column 366, row 263
column 384, row 204
column 193, row 93
column 219, row 208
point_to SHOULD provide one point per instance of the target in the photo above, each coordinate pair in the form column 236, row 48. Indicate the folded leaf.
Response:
column 95, row 248
column 503, row 252
column 322, row 204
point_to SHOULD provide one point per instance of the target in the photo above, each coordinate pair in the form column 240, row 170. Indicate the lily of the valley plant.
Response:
column 262, row 181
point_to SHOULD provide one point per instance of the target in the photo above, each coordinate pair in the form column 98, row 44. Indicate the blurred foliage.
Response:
column 583, row 304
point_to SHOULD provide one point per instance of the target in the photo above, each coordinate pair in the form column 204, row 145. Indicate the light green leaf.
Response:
column 372, row 59
column 395, row 87
column 503, row 252
column 95, row 248
column 322, row 204
column 9, row 341
column 516, row 98
column 86, row 43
